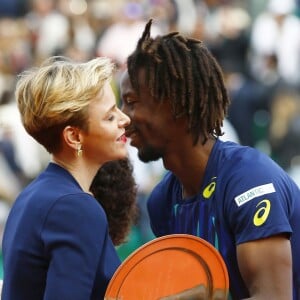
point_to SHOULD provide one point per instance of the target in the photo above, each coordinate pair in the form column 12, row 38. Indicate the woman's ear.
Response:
column 71, row 136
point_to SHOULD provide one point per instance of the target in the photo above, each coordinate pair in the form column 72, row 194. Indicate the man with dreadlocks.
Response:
column 235, row 197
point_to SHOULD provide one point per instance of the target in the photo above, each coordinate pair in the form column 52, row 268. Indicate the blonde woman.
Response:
column 56, row 243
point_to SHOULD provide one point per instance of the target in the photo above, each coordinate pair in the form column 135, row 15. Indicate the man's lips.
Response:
column 133, row 135
column 129, row 133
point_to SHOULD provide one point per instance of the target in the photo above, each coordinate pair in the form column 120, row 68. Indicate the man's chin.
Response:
column 147, row 154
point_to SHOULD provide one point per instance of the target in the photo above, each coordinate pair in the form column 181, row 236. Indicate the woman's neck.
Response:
column 83, row 173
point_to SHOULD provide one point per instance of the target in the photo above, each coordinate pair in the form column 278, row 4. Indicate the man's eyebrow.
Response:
column 126, row 94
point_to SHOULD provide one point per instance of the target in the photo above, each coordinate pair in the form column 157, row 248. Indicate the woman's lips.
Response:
column 123, row 138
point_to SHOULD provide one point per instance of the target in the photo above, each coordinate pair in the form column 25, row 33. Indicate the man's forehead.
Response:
column 124, row 76
column 136, row 80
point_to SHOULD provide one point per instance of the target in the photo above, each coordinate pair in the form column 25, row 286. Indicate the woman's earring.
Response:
column 79, row 150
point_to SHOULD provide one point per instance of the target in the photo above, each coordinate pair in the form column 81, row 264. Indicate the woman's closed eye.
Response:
column 110, row 117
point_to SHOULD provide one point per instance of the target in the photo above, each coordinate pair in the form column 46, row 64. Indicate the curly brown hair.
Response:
column 114, row 187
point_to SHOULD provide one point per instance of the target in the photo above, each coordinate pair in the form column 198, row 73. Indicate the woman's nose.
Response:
column 125, row 120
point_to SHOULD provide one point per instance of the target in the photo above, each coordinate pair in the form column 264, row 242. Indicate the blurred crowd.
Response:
column 257, row 43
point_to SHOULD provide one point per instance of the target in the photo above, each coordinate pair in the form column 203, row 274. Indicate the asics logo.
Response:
column 262, row 213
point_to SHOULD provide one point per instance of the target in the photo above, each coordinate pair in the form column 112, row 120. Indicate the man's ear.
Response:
column 71, row 136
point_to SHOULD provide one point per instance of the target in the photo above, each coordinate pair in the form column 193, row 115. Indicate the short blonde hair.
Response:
column 57, row 94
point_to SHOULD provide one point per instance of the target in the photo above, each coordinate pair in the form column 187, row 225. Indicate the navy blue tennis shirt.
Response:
column 244, row 196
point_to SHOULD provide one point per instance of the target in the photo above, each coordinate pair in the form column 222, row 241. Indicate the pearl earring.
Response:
column 79, row 150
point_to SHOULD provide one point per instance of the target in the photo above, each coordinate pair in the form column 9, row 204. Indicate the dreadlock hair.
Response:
column 185, row 72
column 114, row 187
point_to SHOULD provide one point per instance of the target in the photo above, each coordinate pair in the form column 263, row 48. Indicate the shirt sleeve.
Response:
column 258, row 203
column 74, row 234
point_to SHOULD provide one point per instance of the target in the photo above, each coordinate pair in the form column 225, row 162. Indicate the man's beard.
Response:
column 148, row 153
